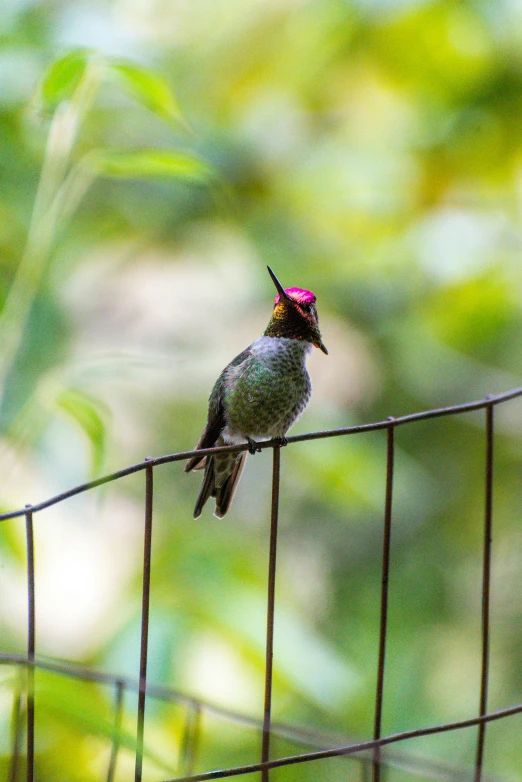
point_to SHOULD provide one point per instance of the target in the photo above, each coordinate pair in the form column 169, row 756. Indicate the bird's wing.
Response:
column 216, row 420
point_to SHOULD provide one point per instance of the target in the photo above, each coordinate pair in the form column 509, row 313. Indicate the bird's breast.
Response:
column 267, row 392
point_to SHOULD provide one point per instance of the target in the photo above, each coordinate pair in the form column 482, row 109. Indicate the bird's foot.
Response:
column 281, row 441
column 253, row 447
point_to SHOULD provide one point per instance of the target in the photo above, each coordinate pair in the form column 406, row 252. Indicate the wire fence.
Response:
column 372, row 754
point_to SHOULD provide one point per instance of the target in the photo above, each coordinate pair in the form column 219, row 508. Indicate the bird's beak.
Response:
column 322, row 347
column 278, row 285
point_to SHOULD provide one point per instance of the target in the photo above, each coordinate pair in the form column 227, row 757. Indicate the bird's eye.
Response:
column 306, row 308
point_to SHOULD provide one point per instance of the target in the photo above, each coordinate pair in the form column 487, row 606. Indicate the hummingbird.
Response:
column 259, row 395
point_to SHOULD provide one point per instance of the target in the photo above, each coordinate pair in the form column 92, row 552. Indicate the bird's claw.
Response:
column 281, row 441
column 253, row 447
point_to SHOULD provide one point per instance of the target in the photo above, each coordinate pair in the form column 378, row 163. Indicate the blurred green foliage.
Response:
column 153, row 158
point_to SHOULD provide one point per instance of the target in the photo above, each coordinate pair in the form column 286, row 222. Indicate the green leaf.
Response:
column 89, row 414
column 146, row 163
column 63, row 77
column 149, row 88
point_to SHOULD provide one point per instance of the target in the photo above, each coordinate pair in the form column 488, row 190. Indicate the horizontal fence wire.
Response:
column 351, row 749
column 370, row 748
column 306, row 737
column 299, row 438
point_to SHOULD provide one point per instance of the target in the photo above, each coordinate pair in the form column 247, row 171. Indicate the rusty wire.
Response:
column 365, row 749
column 16, row 730
column 270, row 612
column 386, row 546
column 306, row 737
column 486, row 590
column 31, row 640
column 145, row 606
column 116, row 734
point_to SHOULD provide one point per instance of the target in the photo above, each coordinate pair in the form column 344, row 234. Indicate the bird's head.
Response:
column 295, row 315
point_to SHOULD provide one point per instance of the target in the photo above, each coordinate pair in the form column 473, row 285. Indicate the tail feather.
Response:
column 222, row 493
column 198, row 462
column 209, row 438
column 208, row 487
column 226, row 492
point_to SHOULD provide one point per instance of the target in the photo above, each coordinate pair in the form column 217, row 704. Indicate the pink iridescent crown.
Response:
column 300, row 295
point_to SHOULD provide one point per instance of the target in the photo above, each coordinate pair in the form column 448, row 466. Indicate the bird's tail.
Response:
column 222, row 473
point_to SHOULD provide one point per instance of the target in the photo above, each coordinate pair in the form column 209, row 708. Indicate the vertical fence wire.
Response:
column 145, row 604
column 267, row 714
column 383, row 628
column 31, row 642
column 191, row 739
column 116, row 735
column 373, row 762
column 365, row 771
column 486, row 591
column 16, row 732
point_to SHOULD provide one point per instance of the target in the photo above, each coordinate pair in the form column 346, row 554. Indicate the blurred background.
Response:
column 368, row 150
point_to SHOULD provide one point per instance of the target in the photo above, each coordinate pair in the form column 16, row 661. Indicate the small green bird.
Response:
column 259, row 395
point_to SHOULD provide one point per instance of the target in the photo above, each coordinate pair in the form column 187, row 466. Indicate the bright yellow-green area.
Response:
column 154, row 158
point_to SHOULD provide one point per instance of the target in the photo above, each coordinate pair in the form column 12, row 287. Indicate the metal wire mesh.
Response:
column 371, row 754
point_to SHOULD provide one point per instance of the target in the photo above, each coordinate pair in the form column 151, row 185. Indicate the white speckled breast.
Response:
column 268, row 391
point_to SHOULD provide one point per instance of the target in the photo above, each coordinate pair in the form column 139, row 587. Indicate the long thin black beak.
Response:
column 278, row 285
